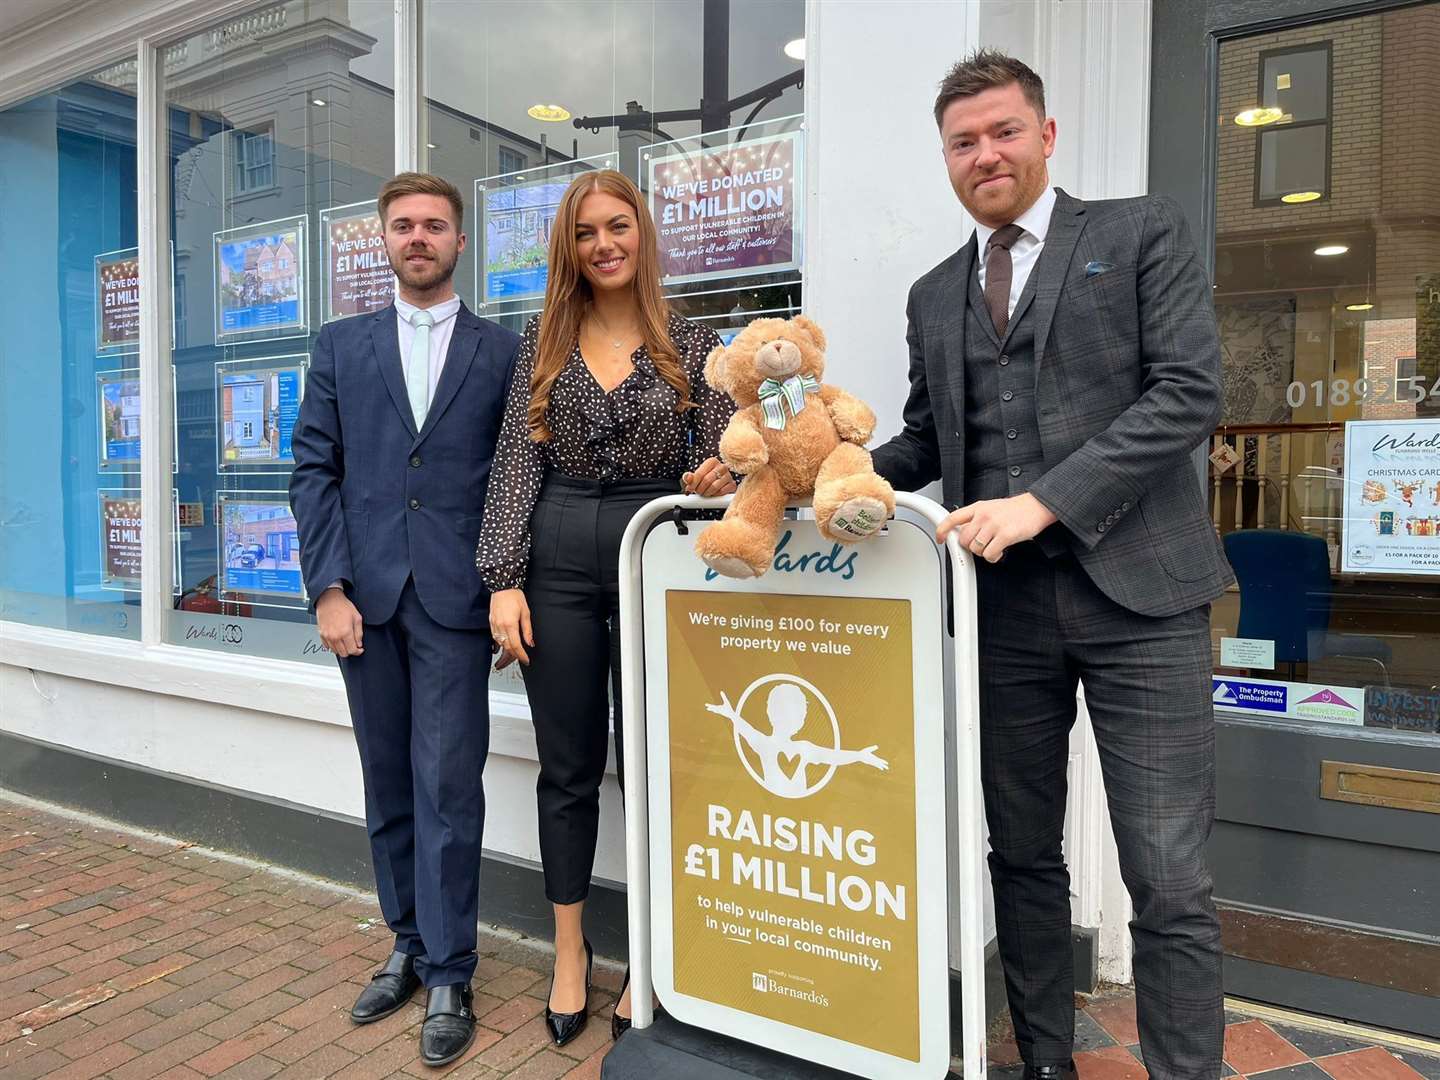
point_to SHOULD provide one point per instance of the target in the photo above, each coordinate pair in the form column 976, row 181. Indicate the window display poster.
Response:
column 120, row 541
column 258, row 410
column 119, row 403
column 726, row 211
column 516, row 212
column 117, row 299
column 1392, row 497
column 260, row 547
column 260, row 278
column 358, row 278
column 516, row 221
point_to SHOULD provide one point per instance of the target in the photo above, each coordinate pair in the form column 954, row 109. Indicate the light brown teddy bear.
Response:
column 792, row 438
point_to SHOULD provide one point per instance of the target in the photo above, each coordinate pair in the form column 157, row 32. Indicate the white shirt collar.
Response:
column 1035, row 221
column 446, row 309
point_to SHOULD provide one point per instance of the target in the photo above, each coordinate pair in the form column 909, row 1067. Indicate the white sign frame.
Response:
column 655, row 560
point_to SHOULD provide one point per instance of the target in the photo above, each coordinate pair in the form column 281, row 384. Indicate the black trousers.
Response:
column 420, row 706
column 574, row 597
column 1044, row 627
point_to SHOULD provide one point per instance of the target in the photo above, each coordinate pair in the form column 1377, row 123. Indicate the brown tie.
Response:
column 997, row 275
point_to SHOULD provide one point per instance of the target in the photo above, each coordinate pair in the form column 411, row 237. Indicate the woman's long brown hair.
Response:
column 568, row 294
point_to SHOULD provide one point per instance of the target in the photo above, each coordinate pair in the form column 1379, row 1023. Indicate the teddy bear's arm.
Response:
column 742, row 447
column 854, row 420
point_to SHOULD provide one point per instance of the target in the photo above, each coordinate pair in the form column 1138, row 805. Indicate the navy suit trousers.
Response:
column 420, row 708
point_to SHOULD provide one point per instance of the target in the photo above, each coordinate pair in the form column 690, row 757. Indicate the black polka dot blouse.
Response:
column 633, row 432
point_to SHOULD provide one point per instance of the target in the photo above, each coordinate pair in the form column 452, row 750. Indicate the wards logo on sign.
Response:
column 1240, row 694
column 779, row 761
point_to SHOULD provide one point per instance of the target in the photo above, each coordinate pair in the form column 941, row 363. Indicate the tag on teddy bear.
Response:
column 859, row 524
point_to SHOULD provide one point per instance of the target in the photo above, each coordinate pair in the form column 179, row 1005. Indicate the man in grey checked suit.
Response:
column 1064, row 365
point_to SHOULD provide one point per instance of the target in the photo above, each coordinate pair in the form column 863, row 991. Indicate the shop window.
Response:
column 267, row 211
column 1325, row 474
column 670, row 94
column 511, row 161
column 70, row 420
column 1293, row 149
column 254, row 159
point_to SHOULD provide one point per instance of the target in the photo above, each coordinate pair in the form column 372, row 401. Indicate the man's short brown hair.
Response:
column 419, row 183
column 988, row 69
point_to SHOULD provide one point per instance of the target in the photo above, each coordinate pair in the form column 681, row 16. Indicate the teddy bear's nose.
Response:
column 778, row 359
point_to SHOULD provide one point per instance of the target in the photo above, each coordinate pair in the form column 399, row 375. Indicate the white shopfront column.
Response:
column 880, row 212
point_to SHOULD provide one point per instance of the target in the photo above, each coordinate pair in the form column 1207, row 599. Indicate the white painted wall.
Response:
column 880, row 213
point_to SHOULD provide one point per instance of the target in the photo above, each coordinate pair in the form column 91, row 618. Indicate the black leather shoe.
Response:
column 390, row 988
column 621, row 1024
column 565, row 1026
column 449, row 1026
column 1050, row 1072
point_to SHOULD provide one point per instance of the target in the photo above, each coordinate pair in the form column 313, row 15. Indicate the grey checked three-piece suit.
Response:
column 1106, row 380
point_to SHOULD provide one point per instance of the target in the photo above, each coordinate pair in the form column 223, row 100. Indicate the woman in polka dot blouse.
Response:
column 608, row 410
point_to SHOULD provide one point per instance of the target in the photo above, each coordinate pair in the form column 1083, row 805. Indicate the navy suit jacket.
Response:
column 377, row 501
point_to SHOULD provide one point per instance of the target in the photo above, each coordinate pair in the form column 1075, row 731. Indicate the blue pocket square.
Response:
column 1097, row 267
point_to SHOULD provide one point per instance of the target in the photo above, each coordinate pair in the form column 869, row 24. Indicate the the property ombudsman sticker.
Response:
column 1301, row 701
column 802, row 762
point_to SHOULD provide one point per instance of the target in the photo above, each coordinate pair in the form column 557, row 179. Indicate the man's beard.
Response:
column 425, row 276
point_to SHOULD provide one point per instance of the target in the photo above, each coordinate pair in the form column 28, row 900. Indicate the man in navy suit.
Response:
column 393, row 448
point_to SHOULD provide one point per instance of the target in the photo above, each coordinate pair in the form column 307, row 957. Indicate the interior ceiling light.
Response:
column 1366, row 306
column 795, row 50
column 431, row 146
column 1332, row 249
column 551, row 114
column 1259, row 116
column 1300, row 197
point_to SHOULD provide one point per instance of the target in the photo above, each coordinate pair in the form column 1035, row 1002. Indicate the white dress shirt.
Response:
column 1025, row 252
column 444, row 315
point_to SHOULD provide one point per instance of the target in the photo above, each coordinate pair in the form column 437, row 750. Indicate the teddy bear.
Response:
column 791, row 438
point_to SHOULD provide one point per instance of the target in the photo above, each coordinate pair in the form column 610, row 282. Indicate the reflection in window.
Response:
column 254, row 159
column 1293, row 146
column 1325, row 474
column 272, row 221
column 70, row 422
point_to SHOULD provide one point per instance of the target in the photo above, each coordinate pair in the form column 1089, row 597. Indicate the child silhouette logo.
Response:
column 786, row 761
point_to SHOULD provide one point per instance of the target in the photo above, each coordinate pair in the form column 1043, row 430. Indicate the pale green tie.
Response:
column 417, row 372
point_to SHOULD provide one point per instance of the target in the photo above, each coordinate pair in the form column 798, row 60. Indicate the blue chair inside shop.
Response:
column 1285, row 598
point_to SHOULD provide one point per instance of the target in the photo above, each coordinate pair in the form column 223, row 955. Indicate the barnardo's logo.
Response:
column 778, row 761
column 762, row 983
column 1242, row 694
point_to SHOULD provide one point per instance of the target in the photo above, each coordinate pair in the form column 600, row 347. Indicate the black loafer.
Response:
column 1050, row 1072
column 565, row 1026
column 390, row 988
column 449, row 1026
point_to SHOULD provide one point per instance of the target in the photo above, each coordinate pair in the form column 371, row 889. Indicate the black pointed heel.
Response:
column 565, row 1026
column 620, row 1024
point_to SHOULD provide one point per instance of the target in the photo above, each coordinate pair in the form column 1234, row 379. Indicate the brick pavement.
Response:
column 132, row 956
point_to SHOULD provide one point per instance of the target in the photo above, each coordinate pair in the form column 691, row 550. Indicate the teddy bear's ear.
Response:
column 715, row 370
column 811, row 327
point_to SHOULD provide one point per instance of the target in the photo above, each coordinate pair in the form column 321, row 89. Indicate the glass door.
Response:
column 1316, row 192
